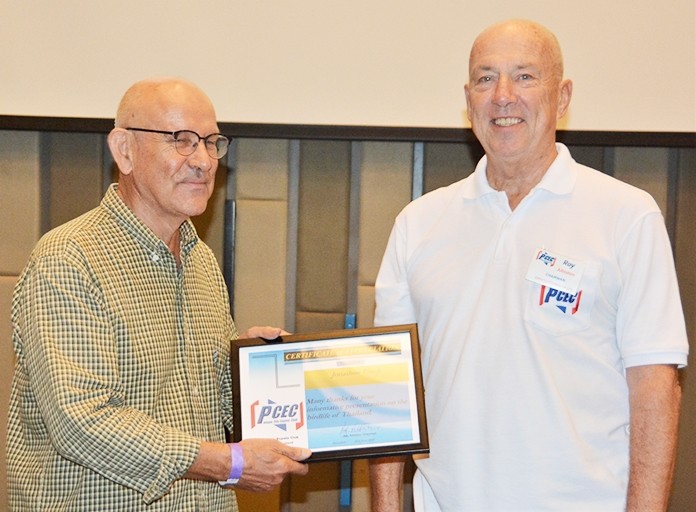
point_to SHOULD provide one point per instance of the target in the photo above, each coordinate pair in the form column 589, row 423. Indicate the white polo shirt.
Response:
column 525, row 387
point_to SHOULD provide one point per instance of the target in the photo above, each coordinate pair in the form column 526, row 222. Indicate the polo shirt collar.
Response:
column 559, row 178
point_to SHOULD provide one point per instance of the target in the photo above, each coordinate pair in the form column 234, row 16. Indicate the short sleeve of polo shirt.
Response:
column 650, row 321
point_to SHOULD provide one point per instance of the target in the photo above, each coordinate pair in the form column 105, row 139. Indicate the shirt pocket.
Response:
column 559, row 313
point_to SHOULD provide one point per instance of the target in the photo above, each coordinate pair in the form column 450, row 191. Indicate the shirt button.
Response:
column 154, row 257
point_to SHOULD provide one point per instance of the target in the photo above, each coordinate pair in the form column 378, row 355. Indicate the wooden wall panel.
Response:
column 19, row 198
column 262, row 169
column 684, row 493
column 260, row 260
column 646, row 168
column 73, row 169
column 19, row 230
column 261, row 188
column 592, row 156
column 307, row 321
column 447, row 163
column 385, row 167
column 323, row 233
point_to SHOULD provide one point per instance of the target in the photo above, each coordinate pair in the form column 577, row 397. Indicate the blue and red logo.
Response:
column 280, row 415
column 567, row 303
column 546, row 258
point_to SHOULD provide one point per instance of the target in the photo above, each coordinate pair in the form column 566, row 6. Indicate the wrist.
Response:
column 236, row 464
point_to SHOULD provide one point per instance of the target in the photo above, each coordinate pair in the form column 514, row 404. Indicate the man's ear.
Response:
column 120, row 143
column 565, row 93
column 468, row 101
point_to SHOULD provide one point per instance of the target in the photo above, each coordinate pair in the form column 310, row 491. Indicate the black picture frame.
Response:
column 345, row 379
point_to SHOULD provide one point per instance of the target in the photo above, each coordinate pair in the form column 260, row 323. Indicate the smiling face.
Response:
column 516, row 93
column 162, row 187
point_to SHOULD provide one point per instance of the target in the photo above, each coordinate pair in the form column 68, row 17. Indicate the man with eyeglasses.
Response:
column 122, row 392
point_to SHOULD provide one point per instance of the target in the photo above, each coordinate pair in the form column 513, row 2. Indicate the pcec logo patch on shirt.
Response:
column 566, row 303
column 559, row 310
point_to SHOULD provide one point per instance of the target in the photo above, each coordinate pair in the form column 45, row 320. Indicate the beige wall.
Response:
column 362, row 62
column 312, row 221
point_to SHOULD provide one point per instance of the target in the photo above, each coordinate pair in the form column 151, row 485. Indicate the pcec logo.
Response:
column 546, row 258
column 278, row 414
column 567, row 303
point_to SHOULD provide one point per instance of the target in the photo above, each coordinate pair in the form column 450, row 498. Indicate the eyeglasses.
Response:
column 186, row 141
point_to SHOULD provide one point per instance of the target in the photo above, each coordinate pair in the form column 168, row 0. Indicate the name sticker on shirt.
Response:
column 554, row 270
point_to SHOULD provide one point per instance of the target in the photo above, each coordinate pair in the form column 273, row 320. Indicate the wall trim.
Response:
column 361, row 133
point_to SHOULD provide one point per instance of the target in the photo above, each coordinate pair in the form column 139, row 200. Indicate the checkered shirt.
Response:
column 122, row 369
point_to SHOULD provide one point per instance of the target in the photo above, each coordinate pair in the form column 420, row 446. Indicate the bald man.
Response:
column 548, row 312
column 121, row 398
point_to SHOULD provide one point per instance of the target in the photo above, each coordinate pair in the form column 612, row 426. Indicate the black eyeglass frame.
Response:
column 176, row 138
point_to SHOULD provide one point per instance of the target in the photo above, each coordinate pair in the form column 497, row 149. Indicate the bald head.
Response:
column 533, row 33
column 148, row 101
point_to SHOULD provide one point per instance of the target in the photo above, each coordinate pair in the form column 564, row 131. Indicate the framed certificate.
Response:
column 343, row 394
